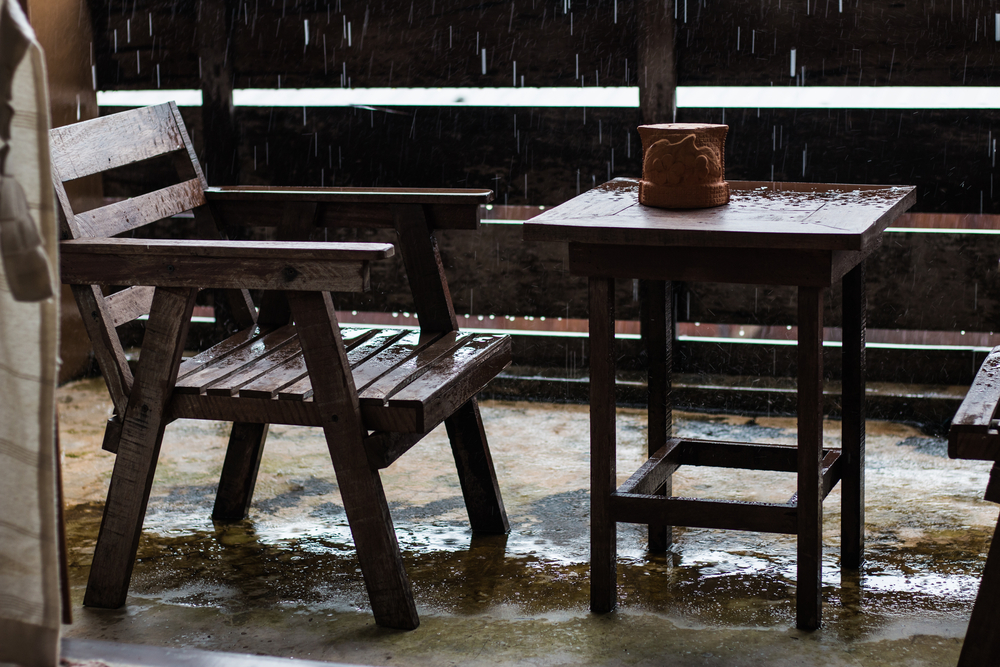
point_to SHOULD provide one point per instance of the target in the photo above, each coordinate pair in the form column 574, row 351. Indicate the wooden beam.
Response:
column 657, row 73
column 214, row 32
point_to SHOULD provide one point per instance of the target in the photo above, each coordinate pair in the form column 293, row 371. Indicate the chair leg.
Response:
column 475, row 470
column 139, row 447
column 367, row 511
column 239, row 472
column 335, row 396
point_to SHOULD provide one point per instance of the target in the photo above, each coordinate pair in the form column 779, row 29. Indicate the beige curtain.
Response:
column 29, row 570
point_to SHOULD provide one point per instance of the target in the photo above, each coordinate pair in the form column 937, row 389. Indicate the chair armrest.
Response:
column 972, row 434
column 448, row 208
column 271, row 265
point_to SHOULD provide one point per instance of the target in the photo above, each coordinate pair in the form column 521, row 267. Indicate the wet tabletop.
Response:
column 815, row 216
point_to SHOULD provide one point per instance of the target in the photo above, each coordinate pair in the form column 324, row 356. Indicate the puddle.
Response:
column 287, row 576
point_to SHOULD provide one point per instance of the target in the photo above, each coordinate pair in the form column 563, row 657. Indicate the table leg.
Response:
column 657, row 334
column 603, row 530
column 810, row 445
column 852, row 485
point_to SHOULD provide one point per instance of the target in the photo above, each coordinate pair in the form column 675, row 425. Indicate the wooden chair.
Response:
column 975, row 435
column 375, row 393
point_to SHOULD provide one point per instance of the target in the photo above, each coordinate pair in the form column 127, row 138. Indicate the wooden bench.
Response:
column 975, row 435
column 375, row 393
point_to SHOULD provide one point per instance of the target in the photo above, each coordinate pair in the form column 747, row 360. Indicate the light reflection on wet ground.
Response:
column 286, row 582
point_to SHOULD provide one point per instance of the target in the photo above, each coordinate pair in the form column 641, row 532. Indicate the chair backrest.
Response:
column 112, row 142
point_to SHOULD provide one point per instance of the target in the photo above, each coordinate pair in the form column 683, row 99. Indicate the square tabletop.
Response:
column 807, row 216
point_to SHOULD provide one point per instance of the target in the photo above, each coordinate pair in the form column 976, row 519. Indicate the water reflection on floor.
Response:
column 286, row 582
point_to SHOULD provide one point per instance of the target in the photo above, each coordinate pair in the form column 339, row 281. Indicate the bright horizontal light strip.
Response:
column 837, row 97
column 144, row 98
column 382, row 97
column 697, row 97
column 437, row 97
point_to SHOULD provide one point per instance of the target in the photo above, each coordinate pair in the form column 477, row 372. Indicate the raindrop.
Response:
column 515, row 74
column 484, row 60
column 305, row 27
column 128, row 30
column 792, row 71
column 578, row 66
column 116, row 41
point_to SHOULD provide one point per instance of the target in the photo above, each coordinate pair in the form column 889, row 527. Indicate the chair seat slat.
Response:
column 230, row 385
column 202, row 359
column 356, row 356
column 451, row 380
column 406, row 372
column 235, row 361
column 275, row 369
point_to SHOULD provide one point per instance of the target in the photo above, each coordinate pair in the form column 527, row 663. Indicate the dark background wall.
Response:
column 947, row 154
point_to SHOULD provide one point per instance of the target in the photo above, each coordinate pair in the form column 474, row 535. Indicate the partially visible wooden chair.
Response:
column 375, row 393
column 975, row 435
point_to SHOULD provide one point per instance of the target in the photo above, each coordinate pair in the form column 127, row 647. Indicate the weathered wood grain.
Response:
column 101, row 144
column 789, row 215
column 141, row 210
column 809, row 559
column 107, row 346
column 449, row 382
column 603, row 529
column 982, row 639
column 236, row 362
column 654, row 472
column 360, row 486
column 135, row 464
column 854, row 364
column 225, row 264
column 657, row 332
column 424, row 269
column 128, row 304
column 720, row 514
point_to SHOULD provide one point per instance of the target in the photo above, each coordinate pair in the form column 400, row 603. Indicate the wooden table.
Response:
column 800, row 234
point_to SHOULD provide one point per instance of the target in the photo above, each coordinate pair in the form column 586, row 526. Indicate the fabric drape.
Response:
column 29, row 566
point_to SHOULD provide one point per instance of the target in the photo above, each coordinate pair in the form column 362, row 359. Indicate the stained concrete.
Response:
column 285, row 582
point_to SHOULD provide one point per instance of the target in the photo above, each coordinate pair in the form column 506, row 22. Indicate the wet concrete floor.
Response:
column 285, row 582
